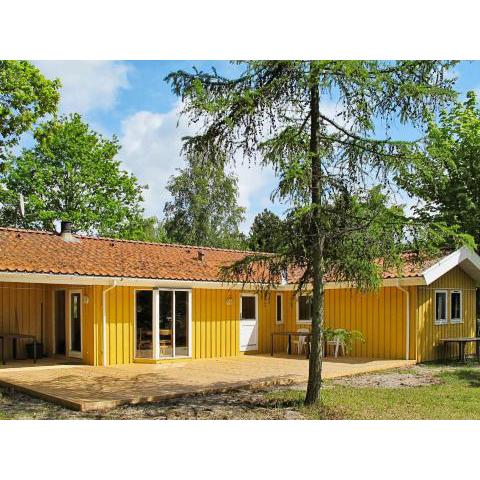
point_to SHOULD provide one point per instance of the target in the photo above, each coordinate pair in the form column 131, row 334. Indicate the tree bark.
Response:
column 316, row 344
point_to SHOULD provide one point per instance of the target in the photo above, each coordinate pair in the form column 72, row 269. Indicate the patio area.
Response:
column 86, row 388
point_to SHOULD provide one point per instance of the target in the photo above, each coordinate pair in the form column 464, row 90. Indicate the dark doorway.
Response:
column 60, row 322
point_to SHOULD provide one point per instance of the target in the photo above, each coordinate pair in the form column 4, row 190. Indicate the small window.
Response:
column 456, row 306
column 279, row 309
column 440, row 307
column 248, row 307
column 304, row 308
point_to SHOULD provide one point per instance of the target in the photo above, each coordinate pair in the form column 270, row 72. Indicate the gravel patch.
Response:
column 238, row 405
column 415, row 376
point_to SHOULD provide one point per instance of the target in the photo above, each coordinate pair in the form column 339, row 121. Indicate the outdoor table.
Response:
column 461, row 341
column 15, row 337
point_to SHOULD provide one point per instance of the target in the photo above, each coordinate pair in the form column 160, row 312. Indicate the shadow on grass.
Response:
column 472, row 377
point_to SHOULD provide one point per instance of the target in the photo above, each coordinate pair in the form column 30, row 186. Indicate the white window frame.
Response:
column 156, row 322
column 442, row 321
column 277, row 296
column 298, row 311
column 456, row 320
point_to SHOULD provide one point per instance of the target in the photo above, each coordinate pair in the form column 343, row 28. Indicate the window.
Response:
column 279, row 310
column 440, row 307
column 304, row 309
column 144, row 324
column 248, row 307
column 75, row 333
column 455, row 306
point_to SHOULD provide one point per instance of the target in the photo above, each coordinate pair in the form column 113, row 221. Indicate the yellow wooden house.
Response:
column 107, row 302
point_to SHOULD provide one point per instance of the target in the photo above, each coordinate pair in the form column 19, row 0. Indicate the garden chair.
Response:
column 337, row 342
column 300, row 340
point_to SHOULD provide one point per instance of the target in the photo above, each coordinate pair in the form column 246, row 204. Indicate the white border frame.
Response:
column 69, row 351
column 298, row 321
column 257, row 321
column 282, row 316
column 445, row 320
column 155, row 323
column 456, row 320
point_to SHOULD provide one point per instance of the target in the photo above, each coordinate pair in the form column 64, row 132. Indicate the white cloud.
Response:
column 87, row 85
column 151, row 144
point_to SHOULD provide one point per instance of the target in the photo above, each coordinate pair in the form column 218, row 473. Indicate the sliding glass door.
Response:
column 162, row 323
column 143, row 322
column 165, row 316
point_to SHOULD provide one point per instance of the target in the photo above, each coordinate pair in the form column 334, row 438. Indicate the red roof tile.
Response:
column 44, row 252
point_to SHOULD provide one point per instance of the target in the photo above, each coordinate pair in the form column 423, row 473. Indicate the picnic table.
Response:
column 462, row 342
column 14, row 337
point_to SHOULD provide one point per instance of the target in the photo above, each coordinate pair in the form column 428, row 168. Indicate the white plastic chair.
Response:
column 338, row 343
column 300, row 340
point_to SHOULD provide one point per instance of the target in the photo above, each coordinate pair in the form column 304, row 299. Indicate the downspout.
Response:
column 407, row 332
column 104, row 322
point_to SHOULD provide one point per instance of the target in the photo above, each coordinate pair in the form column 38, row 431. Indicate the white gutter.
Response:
column 104, row 322
column 407, row 332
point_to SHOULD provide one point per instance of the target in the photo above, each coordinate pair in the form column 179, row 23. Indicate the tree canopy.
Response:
column 204, row 208
column 25, row 97
column 334, row 169
column 265, row 232
column 446, row 173
column 71, row 173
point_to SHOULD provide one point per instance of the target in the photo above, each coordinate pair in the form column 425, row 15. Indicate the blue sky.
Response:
column 130, row 99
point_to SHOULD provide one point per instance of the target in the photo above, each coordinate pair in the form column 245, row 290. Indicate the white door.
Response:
column 248, row 323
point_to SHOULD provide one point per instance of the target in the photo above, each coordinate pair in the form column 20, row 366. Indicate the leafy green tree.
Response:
column 446, row 173
column 25, row 96
column 273, row 112
column 72, row 174
column 265, row 232
column 204, row 210
column 153, row 230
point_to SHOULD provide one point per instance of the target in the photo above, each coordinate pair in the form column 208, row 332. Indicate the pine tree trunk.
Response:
column 316, row 344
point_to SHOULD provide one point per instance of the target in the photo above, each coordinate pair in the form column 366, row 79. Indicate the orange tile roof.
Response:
column 45, row 252
column 31, row 251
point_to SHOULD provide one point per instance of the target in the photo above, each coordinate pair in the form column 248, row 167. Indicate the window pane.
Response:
column 143, row 317
column 248, row 308
column 279, row 308
column 305, row 308
column 440, row 306
column 60, row 321
column 75, row 322
column 455, row 307
column 181, row 323
column 165, row 305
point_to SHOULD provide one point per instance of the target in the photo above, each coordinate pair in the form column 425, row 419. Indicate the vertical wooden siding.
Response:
column 380, row 316
column 429, row 334
column 20, row 312
column 215, row 323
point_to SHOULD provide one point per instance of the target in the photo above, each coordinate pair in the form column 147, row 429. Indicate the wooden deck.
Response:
column 83, row 387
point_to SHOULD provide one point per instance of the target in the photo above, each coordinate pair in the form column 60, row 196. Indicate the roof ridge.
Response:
column 123, row 240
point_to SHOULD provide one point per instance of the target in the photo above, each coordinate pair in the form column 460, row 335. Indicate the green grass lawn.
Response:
column 456, row 396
